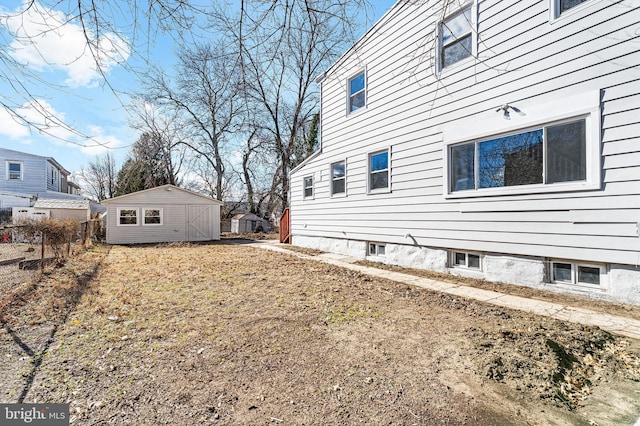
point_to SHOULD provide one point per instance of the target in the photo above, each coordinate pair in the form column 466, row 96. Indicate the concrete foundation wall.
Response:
column 622, row 285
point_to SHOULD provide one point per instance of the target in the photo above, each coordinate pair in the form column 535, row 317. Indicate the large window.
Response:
column 127, row 217
column 357, row 92
column 14, row 170
column 308, row 187
column 379, row 170
column 152, row 216
column 548, row 154
column 338, row 178
column 456, row 38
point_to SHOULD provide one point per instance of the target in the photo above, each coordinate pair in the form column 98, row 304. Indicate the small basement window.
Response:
column 377, row 249
column 463, row 259
column 574, row 273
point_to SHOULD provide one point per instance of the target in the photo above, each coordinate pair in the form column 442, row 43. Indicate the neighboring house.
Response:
column 248, row 222
column 28, row 177
column 493, row 139
column 163, row 214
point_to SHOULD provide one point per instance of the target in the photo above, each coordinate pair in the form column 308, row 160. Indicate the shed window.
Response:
column 127, row 217
column 152, row 216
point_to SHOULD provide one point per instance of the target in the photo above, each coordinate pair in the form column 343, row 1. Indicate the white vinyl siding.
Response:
column 522, row 61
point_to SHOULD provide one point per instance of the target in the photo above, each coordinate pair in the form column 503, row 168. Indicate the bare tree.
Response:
column 99, row 177
column 206, row 95
column 166, row 133
column 112, row 33
column 283, row 46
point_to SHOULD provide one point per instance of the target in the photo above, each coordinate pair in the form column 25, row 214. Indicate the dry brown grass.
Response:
column 189, row 334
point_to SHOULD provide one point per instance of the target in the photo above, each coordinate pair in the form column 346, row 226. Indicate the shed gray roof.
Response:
column 167, row 187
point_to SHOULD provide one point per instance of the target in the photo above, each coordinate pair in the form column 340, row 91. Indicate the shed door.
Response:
column 200, row 223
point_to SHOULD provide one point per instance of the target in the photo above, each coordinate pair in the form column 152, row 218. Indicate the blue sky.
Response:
column 75, row 92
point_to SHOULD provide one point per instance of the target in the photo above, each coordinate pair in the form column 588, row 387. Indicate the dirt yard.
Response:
column 231, row 334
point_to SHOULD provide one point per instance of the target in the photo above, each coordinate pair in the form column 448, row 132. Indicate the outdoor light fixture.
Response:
column 505, row 111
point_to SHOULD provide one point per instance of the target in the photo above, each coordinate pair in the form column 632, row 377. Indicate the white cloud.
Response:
column 47, row 40
column 35, row 115
column 100, row 142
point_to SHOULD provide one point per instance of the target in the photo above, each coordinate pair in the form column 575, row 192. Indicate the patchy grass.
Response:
column 190, row 334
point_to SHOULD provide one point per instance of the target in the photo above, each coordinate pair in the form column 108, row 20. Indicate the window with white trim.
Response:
column 575, row 273
column 377, row 249
column 558, row 7
column 463, row 259
column 308, row 187
column 543, row 155
column 357, row 92
column 127, row 217
column 14, row 170
column 152, row 216
column 338, row 178
column 455, row 38
column 378, row 165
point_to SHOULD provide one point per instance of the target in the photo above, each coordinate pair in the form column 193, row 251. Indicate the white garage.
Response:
column 163, row 214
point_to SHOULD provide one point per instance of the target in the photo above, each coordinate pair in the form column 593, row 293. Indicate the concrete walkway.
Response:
column 612, row 323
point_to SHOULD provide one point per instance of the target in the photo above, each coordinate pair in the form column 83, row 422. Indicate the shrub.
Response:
column 58, row 233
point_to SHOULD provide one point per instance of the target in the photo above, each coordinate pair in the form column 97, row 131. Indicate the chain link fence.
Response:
column 24, row 255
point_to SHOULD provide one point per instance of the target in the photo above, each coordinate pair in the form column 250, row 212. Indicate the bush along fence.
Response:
column 34, row 243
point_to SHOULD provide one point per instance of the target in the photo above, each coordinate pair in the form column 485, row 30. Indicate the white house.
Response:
column 490, row 138
column 162, row 214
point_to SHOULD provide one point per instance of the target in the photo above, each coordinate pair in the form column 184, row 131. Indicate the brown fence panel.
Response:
column 285, row 235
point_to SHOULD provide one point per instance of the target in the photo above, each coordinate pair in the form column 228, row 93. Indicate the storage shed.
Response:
column 248, row 222
column 79, row 210
column 163, row 214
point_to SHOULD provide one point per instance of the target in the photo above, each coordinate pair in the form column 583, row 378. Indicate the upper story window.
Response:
column 308, row 186
column 338, row 178
column 544, row 155
column 379, row 170
column 357, row 93
column 456, row 38
column 14, row 170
